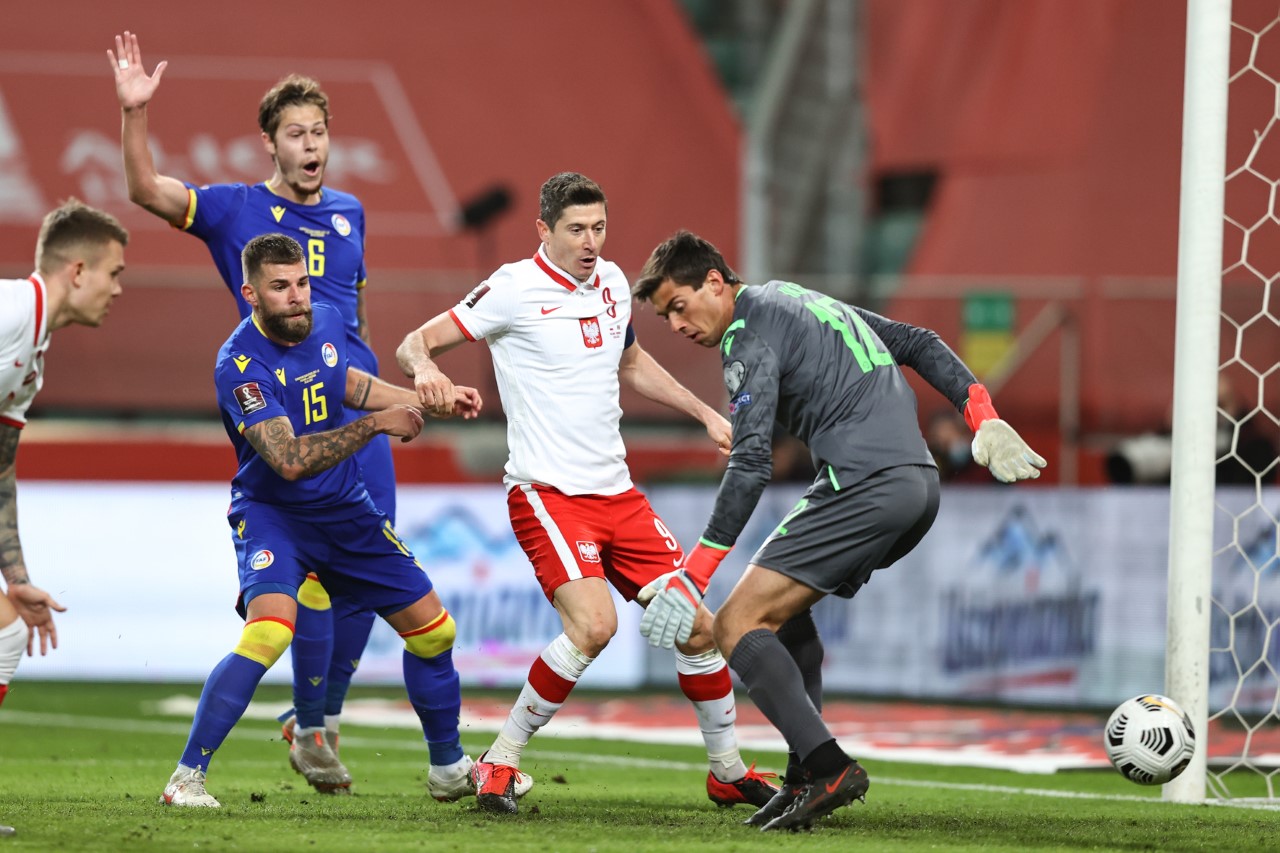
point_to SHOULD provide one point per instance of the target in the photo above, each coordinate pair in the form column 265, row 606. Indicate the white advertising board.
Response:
column 148, row 575
column 1031, row 595
column 1017, row 594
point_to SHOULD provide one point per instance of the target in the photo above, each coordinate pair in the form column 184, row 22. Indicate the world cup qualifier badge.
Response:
column 476, row 295
column 249, row 397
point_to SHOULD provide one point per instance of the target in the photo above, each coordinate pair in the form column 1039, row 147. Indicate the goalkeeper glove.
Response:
column 671, row 600
column 997, row 445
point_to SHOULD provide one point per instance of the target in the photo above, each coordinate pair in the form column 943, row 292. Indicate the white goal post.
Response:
column 1199, row 294
column 1222, row 659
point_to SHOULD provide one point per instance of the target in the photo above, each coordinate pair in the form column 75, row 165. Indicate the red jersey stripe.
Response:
column 559, row 279
column 461, row 327
column 39, row 308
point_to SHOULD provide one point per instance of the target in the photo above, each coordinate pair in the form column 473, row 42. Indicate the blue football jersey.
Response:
column 228, row 216
column 258, row 379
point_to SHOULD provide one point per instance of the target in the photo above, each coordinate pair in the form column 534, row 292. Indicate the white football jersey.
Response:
column 556, row 343
column 24, row 339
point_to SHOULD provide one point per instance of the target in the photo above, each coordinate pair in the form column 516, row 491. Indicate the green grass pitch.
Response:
column 82, row 766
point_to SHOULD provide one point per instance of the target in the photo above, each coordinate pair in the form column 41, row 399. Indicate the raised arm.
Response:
column 415, row 356
column 33, row 604
column 164, row 196
column 295, row 457
column 641, row 373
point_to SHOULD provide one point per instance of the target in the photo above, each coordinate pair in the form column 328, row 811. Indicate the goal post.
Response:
column 1199, row 294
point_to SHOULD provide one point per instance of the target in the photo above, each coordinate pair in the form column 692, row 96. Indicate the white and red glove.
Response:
column 671, row 600
column 997, row 445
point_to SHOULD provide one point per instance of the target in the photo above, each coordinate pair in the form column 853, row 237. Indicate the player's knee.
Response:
column 264, row 640
column 433, row 639
column 594, row 635
column 723, row 630
column 312, row 594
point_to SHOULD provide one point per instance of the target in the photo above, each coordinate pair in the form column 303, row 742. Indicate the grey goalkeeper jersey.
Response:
column 829, row 373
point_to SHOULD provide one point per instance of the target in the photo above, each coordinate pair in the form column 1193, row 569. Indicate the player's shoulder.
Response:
column 611, row 275
column 241, row 354
column 761, row 319
column 337, row 199
column 324, row 315
column 759, row 306
column 228, row 190
column 514, row 278
column 17, row 302
column 17, row 290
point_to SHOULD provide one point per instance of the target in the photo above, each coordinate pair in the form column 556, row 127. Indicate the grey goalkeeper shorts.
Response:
column 833, row 540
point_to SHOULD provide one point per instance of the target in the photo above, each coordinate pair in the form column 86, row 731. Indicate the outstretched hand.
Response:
column 721, row 433
column 134, row 87
column 401, row 420
column 36, row 607
column 467, row 403
column 999, row 447
column 436, row 392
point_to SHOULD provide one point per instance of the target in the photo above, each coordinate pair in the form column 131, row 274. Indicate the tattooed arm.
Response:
column 34, row 605
column 370, row 393
column 11, row 562
column 295, row 457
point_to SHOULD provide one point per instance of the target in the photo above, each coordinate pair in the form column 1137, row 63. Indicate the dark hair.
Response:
column 566, row 190
column 685, row 259
column 269, row 249
column 294, row 90
column 71, row 226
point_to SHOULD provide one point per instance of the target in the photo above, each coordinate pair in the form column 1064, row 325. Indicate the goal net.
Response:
column 1243, row 687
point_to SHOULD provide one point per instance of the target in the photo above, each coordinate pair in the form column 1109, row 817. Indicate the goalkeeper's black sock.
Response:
column 827, row 760
column 794, row 774
column 799, row 636
column 774, row 682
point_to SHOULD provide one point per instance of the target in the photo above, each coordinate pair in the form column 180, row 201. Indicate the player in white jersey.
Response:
column 79, row 258
column 559, row 329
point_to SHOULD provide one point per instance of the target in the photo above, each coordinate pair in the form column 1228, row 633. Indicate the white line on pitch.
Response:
column 25, row 718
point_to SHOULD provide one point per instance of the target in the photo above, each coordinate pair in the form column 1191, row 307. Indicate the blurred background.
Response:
column 1004, row 172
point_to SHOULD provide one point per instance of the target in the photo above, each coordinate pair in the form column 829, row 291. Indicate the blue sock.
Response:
column 434, row 692
column 312, row 648
column 350, row 636
column 222, row 702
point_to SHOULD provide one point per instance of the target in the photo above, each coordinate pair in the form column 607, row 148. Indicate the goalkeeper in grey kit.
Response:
column 829, row 373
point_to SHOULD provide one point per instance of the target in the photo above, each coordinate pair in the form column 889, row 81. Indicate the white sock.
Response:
column 705, row 681
column 454, row 770
column 551, row 677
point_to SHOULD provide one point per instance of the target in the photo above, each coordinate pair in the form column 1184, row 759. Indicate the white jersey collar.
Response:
column 561, row 277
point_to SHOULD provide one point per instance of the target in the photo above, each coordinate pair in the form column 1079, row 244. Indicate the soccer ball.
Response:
column 1149, row 739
